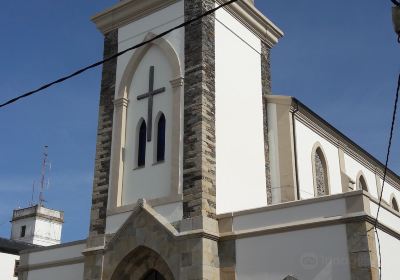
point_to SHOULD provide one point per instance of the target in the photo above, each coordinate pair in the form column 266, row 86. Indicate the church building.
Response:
column 201, row 172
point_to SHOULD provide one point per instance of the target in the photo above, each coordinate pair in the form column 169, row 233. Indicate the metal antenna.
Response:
column 33, row 194
column 42, row 180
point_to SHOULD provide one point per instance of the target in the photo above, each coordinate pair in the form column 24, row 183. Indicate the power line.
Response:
column 84, row 69
column 375, row 228
column 395, row 2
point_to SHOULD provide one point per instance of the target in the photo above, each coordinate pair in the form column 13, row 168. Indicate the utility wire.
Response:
column 375, row 228
column 80, row 71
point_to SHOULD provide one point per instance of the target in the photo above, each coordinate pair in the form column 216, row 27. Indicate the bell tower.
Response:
column 182, row 122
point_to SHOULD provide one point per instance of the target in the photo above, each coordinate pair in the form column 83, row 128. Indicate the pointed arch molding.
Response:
column 144, row 242
column 120, row 114
column 317, row 146
column 361, row 177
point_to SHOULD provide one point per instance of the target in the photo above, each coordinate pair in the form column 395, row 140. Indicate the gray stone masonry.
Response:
column 362, row 251
column 199, row 113
column 266, row 90
column 104, row 135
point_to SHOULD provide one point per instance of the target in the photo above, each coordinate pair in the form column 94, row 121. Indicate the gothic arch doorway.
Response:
column 142, row 264
column 153, row 275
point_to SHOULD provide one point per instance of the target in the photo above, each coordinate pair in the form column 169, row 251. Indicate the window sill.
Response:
column 159, row 162
column 139, row 167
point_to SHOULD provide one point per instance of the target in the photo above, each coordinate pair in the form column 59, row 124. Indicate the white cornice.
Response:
column 251, row 17
column 130, row 10
column 126, row 12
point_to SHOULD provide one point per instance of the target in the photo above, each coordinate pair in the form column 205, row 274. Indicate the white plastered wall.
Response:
column 67, row 272
column 153, row 181
column 306, row 139
column 57, row 254
column 47, row 232
column 390, row 248
column 7, row 265
column 240, row 160
column 29, row 232
column 312, row 254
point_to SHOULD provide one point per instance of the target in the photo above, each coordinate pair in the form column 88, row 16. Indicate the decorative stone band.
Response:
column 24, row 268
column 121, row 102
column 43, row 216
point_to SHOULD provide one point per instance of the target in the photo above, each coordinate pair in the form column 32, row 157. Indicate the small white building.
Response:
column 37, row 225
column 202, row 173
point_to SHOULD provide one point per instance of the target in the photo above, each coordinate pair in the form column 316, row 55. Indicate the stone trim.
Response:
column 362, row 251
column 153, row 203
column 58, row 246
column 24, row 268
column 266, row 90
column 104, row 137
column 126, row 12
column 317, row 146
column 345, row 180
column 39, row 215
column 282, row 152
column 119, row 128
column 199, row 113
column 358, row 177
column 293, row 226
column 292, row 204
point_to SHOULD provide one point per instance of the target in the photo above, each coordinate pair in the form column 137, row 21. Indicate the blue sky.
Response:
column 337, row 58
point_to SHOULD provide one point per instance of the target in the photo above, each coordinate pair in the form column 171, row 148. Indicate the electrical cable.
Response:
column 84, row 69
column 395, row 2
column 375, row 227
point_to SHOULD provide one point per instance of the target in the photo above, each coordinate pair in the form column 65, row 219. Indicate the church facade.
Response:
column 202, row 173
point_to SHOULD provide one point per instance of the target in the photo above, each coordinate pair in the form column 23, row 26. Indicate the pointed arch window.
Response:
column 362, row 184
column 141, row 155
column 395, row 205
column 320, row 168
column 161, row 138
column 153, row 275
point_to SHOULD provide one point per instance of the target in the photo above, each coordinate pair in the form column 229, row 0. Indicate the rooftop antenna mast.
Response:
column 43, row 177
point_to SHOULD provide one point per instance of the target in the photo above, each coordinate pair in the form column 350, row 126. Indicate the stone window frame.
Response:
column 361, row 176
column 315, row 148
column 119, row 124
column 393, row 198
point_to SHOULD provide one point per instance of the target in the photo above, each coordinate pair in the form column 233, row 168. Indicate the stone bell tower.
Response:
column 211, row 77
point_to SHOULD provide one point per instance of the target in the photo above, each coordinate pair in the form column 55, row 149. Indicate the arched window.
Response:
column 395, row 205
column 161, row 138
column 153, row 275
column 321, row 182
column 362, row 184
column 141, row 159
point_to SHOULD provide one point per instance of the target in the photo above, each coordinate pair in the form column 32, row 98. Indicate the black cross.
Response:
column 150, row 95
